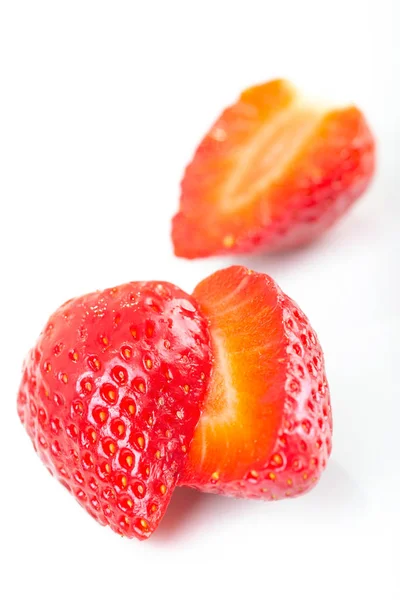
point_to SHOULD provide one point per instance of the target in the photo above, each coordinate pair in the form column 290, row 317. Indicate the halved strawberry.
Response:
column 274, row 171
column 110, row 397
column 266, row 426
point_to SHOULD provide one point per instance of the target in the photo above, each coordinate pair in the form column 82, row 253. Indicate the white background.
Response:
column 101, row 106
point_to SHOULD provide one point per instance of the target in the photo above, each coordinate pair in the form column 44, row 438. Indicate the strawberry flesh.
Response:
column 110, row 397
column 265, row 431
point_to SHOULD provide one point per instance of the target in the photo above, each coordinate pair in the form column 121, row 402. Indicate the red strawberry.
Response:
column 111, row 395
column 266, row 427
column 273, row 172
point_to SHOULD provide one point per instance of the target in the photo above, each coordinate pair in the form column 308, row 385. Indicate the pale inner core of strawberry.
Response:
column 269, row 152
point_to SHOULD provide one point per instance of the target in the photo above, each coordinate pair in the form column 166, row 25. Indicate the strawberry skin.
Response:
column 266, row 428
column 110, row 397
column 274, row 171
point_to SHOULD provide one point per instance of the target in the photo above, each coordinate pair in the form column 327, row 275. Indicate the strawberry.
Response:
column 110, row 397
column 112, row 394
column 266, row 427
column 274, row 171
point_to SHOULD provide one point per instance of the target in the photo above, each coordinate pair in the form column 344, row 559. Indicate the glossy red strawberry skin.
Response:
column 289, row 200
column 110, row 397
column 277, row 442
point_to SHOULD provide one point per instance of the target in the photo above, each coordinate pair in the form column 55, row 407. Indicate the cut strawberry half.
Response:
column 274, row 171
column 110, row 397
column 266, row 426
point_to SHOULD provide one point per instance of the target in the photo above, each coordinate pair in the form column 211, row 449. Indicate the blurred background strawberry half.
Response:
column 274, row 171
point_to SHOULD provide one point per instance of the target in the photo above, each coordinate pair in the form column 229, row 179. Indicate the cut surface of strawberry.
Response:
column 110, row 397
column 265, row 431
column 274, row 171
